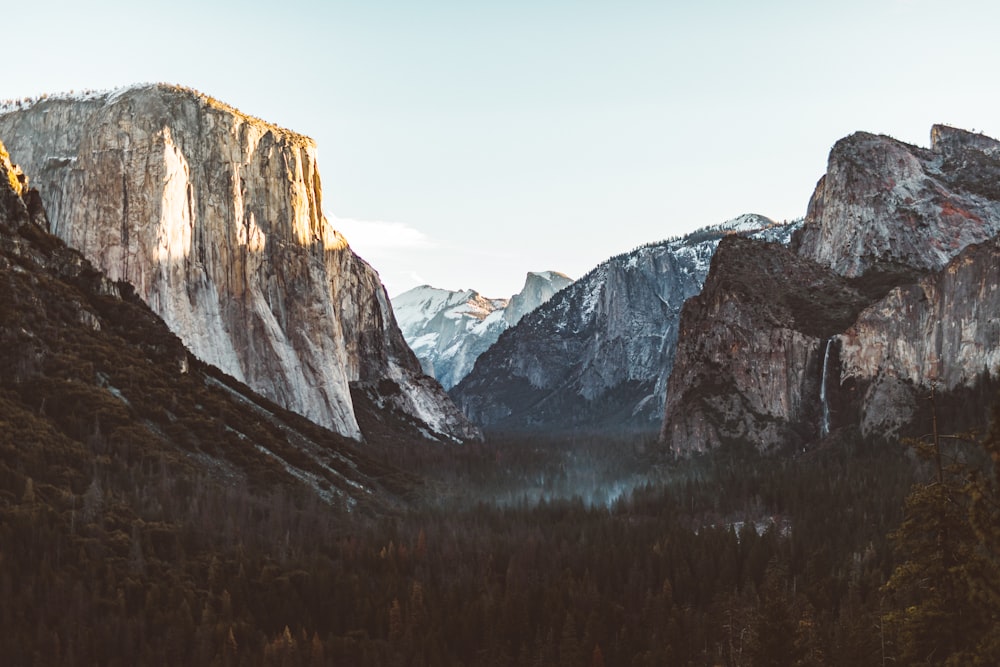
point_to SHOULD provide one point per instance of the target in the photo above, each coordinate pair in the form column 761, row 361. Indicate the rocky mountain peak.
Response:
column 216, row 218
column 449, row 330
column 538, row 288
column 952, row 140
column 884, row 204
column 890, row 287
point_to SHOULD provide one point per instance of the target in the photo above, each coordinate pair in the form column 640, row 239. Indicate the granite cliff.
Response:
column 216, row 218
column 888, row 290
column 942, row 332
column 598, row 354
column 96, row 388
column 751, row 349
column 538, row 288
column 883, row 203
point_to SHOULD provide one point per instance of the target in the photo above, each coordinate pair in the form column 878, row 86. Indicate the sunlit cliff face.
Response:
column 176, row 204
column 216, row 219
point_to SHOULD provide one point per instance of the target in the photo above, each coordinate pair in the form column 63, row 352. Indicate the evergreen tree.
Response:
column 946, row 590
column 774, row 631
column 982, row 571
column 570, row 653
column 597, row 657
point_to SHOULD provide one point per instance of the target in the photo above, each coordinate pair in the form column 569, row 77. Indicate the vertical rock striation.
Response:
column 598, row 354
column 751, row 351
column 216, row 218
column 943, row 330
column 906, row 240
column 883, row 203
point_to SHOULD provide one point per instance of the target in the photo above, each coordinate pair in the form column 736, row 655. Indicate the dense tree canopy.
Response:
column 735, row 560
column 945, row 589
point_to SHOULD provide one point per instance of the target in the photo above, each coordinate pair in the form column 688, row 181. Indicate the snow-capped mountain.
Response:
column 599, row 353
column 538, row 288
column 448, row 330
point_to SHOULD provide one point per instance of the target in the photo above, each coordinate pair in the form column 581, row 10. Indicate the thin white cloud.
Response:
column 375, row 236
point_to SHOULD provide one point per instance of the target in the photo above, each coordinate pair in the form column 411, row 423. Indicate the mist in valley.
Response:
column 525, row 470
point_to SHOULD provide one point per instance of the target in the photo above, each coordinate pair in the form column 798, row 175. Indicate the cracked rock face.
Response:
column 884, row 203
column 752, row 346
column 943, row 330
column 598, row 354
column 216, row 218
column 890, row 288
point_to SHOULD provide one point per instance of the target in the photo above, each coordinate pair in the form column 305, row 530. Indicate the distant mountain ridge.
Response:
column 448, row 330
column 598, row 354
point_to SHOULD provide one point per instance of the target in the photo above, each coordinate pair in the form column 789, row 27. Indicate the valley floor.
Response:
column 516, row 553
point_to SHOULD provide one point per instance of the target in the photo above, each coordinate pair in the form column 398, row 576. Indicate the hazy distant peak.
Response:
column 449, row 329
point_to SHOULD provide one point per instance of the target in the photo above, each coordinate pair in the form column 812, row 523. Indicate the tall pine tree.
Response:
column 945, row 592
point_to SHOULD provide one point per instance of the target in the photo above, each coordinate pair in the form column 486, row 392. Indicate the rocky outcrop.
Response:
column 884, row 203
column 752, row 347
column 598, row 354
column 448, row 330
column 538, row 288
column 18, row 202
column 93, row 380
column 888, row 291
column 942, row 331
column 13, row 188
column 216, row 218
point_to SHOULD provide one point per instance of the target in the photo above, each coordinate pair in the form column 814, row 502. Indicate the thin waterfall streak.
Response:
column 824, row 427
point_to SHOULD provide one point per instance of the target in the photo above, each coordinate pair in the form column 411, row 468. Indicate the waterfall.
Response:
column 824, row 427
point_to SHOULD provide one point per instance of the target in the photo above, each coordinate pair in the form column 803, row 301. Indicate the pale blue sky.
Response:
column 470, row 142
